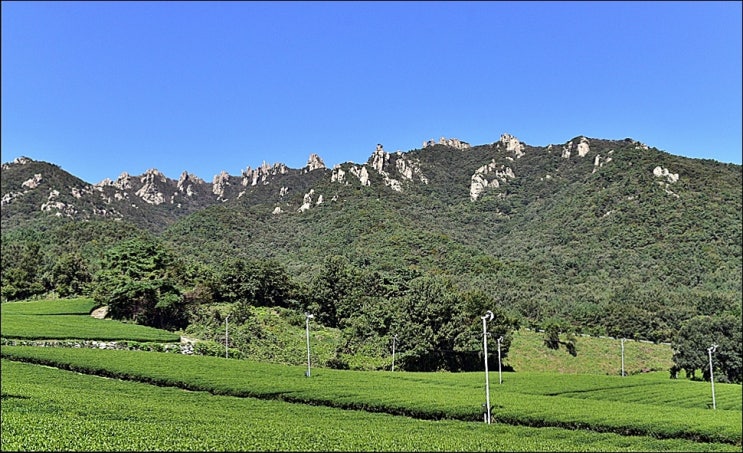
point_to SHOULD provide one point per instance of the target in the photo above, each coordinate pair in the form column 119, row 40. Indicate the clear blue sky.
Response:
column 105, row 87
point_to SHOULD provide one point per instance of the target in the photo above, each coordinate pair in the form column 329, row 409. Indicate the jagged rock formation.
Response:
column 149, row 191
column 405, row 167
column 314, row 162
column 151, row 194
column 582, row 148
column 338, row 175
column 453, row 142
column 512, row 144
column 489, row 175
column 668, row 179
column 22, row 160
column 307, row 201
column 362, row 173
column 123, row 182
column 33, row 182
column 263, row 173
column 62, row 209
column 384, row 164
column 186, row 184
column 220, row 182
column 599, row 161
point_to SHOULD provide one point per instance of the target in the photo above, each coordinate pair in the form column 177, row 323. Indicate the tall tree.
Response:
column 70, row 275
column 256, row 282
column 701, row 332
column 138, row 281
column 22, row 265
column 428, row 323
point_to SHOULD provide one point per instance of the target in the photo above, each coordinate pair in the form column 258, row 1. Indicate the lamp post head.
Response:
column 309, row 315
column 712, row 348
column 500, row 339
column 488, row 316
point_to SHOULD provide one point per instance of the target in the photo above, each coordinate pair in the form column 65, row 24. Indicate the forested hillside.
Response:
column 590, row 236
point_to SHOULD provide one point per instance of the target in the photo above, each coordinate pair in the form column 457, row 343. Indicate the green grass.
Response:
column 281, row 342
column 44, row 409
column 80, row 306
column 554, row 401
column 69, row 319
column 531, row 399
column 594, row 356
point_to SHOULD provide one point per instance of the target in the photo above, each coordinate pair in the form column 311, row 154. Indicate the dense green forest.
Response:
column 625, row 241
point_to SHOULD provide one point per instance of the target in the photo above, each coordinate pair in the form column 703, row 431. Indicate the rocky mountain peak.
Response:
column 150, row 190
column 186, row 183
column 252, row 177
column 314, row 162
column 452, row 142
column 17, row 161
column 512, row 144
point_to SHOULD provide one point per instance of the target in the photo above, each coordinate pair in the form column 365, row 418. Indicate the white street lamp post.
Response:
column 226, row 337
column 308, row 316
column 622, row 357
column 500, row 376
column 488, row 317
column 710, row 350
column 394, row 339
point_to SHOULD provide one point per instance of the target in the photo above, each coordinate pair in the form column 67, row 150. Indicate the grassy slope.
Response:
column 69, row 319
column 528, row 353
column 594, row 356
column 284, row 342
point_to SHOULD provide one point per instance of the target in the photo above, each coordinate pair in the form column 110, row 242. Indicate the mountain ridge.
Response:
column 154, row 188
column 609, row 234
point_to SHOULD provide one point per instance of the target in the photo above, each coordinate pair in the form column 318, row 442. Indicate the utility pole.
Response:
column 488, row 317
column 226, row 337
column 394, row 339
column 308, row 316
column 710, row 350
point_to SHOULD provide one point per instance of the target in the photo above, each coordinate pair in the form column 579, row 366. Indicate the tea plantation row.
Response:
column 523, row 398
column 53, row 410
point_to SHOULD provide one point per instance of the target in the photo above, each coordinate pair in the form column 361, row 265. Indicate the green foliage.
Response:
column 263, row 283
column 138, row 282
column 607, row 249
column 552, row 335
column 214, row 349
column 427, row 325
column 22, row 270
column 70, row 275
column 700, row 333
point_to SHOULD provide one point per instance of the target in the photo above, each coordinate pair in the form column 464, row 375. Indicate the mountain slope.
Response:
column 598, row 232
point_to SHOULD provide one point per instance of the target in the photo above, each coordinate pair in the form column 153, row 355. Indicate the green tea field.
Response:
column 88, row 399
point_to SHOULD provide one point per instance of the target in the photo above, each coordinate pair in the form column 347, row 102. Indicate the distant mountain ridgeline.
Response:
column 602, row 236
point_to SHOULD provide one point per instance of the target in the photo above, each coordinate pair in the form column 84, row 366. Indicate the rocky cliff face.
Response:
column 489, row 175
column 395, row 170
column 297, row 190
